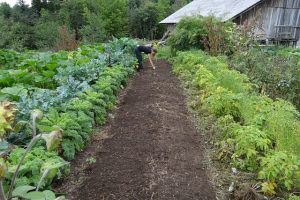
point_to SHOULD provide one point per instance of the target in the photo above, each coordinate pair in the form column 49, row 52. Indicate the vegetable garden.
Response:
column 51, row 102
column 58, row 98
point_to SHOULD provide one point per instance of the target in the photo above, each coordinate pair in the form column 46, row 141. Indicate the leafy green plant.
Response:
column 223, row 102
column 74, row 137
column 9, row 58
column 250, row 145
column 253, row 109
column 269, row 188
column 78, row 116
column 16, row 166
column 276, row 75
column 293, row 197
column 37, row 162
column 280, row 167
column 91, row 160
column 256, row 132
column 29, row 192
column 282, row 124
column 189, row 34
column 206, row 33
column 81, row 92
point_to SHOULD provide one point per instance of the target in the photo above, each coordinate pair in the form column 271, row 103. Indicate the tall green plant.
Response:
column 7, row 113
column 206, row 33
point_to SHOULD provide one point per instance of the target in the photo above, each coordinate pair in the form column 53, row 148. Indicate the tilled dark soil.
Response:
column 150, row 149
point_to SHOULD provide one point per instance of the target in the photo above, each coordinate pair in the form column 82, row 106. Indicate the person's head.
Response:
column 153, row 52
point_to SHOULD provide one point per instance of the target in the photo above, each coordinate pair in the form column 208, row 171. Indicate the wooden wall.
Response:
column 274, row 19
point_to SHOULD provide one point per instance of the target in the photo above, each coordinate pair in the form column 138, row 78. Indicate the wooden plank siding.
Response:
column 275, row 20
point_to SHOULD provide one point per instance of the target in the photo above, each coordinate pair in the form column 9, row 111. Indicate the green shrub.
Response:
column 190, row 33
column 205, row 33
column 233, row 81
column 186, row 64
column 222, row 101
column 282, row 123
column 250, row 144
column 276, row 75
column 253, row 109
column 164, row 53
column 281, row 167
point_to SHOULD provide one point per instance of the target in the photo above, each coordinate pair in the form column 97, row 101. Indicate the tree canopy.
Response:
column 37, row 26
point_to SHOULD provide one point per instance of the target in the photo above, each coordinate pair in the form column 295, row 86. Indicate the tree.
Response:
column 50, row 5
column 144, row 16
column 4, row 32
column 53, row 5
column 177, row 4
column 149, row 18
column 133, row 4
column 22, row 26
column 46, row 30
column 94, row 30
column 92, row 21
column 163, row 7
column 5, row 10
column 22, row 5
column 72, row 14
column 36, row 5
column 114, row 15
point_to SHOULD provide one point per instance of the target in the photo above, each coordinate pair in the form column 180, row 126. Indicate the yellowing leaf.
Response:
column 269, row 188
column 3, row 168
column 7, row 116
column 53, row 139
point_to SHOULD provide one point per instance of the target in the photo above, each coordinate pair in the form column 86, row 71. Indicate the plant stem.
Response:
column 2, row 194
column 34, row 126
column 13, row 181
column 45, row 174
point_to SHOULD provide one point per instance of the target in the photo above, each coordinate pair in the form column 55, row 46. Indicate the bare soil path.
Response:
column 150, row 149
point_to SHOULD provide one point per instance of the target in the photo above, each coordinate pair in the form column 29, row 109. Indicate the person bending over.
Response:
column 151, row 52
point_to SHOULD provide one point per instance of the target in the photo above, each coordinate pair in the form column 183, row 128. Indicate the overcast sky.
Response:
column 13, row 2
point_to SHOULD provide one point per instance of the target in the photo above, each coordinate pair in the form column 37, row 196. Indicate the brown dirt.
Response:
column 149, row 149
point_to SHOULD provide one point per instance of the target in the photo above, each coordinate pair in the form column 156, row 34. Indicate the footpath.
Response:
column 150, row 149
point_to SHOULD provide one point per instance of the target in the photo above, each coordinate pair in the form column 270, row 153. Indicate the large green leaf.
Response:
column 3, row 145
column 22, row 190
column 35, row 196
column 49, row 74
column 17, row 90
column 49, row 195
column 3, row 97
column 52, row 66
column 39, row 79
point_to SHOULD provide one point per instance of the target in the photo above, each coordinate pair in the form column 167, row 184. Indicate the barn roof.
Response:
column 225, row 9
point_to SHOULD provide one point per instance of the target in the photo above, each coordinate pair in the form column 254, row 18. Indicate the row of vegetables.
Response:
column 50, row 120
column 257, row 134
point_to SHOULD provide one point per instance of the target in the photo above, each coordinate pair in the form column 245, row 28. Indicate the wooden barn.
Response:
column 276, row 21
